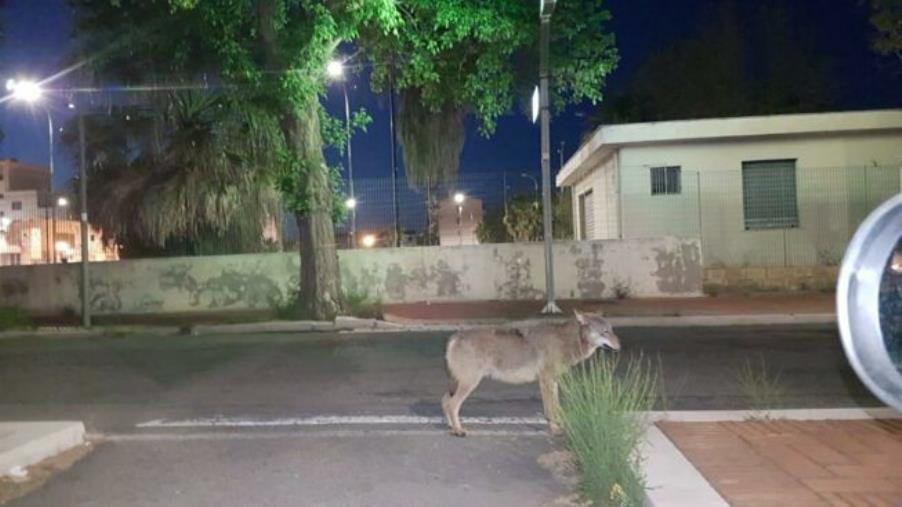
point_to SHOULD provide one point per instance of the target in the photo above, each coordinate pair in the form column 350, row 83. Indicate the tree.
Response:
column 279, row 49
column 451, row 59
column 461, row 55
column 521, row 220
column 887, row 19
column 762, row 65
column 202, row 184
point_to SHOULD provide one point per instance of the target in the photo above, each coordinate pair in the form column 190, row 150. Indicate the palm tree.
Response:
column 204, row 183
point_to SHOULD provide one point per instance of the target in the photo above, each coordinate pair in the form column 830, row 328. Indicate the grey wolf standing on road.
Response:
column 522, row 353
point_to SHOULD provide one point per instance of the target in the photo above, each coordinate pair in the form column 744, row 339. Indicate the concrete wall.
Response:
column 771, row 278
column 657, row 267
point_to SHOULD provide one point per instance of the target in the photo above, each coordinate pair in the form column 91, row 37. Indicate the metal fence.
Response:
column 775, row 214
column 762, row 214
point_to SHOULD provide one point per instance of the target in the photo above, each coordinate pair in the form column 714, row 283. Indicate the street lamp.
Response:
column 335, row 69
column 369, row 240
column 535, row 185
column 459, row 199
column 30, row 92
column 546, row 8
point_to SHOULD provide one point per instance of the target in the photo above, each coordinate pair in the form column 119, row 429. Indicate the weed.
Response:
column 761, row 386
column 603, row 415
column 359, row 304
column 13, row 317
column 622, row 289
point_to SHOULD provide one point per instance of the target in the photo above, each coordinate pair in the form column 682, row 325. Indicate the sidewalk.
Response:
column 709, row 307
column 781, row 457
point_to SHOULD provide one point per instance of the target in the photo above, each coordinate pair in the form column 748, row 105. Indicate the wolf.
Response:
column 521, row 353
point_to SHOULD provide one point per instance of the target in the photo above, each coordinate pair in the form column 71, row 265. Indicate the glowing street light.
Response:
column 351, row 203
column 62, row 202
column 369, row 240
column 25, row 90
column 335, row 69
column 459, row 199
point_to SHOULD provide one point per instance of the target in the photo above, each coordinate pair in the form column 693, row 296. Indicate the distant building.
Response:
column 35, row 226
column 457, row 223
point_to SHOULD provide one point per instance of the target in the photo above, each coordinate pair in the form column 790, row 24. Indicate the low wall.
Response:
column 658, row 267
column 771, row 278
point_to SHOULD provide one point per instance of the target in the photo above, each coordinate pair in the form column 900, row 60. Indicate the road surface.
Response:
column 351, row 419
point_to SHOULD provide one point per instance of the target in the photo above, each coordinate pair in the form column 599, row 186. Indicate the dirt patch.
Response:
column 40, row 473
column 562, row 466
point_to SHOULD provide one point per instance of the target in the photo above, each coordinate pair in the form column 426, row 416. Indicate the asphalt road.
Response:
column 115, row 384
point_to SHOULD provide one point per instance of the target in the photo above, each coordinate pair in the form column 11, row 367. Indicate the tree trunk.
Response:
column 320, row 285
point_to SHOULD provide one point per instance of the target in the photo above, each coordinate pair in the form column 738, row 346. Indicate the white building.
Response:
column 35, row 228
column 763, row 190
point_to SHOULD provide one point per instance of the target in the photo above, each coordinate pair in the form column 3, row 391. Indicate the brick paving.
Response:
column 796, row 463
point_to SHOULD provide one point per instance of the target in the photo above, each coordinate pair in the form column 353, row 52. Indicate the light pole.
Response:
column 459, row 199
column 31, row 92
column 535, row 185
column 394, row 162
column 336, row 70
column 545, row 10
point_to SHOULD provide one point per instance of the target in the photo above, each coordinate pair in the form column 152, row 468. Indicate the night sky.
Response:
column 37, row 34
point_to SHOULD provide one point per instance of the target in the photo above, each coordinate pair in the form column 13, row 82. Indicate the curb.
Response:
column 765, row 319
column 23, row 444
column 344, row 324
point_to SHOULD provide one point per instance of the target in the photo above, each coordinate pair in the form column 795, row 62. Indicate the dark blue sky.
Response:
column 37, row 35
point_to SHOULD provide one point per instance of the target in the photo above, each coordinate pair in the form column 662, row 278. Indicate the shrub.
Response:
column 13, row 317
column 603, row 416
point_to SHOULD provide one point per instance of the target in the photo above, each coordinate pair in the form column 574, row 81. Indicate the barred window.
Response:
column 769, row 198
column 666, row 180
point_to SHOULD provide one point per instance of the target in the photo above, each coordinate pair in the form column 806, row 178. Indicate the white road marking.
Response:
column 334, row 420
column 346, row 433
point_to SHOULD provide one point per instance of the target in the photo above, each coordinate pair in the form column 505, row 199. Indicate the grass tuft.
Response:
column 761, row 386
column 603, row 415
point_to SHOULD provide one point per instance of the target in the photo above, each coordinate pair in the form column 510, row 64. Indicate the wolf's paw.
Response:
column 458, row 432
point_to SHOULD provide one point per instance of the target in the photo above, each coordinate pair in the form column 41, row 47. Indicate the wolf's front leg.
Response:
column 550, row 404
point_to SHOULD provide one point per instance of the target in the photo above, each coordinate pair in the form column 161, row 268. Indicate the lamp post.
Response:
column 30, row 92
column 336, row 70
column 546, row 8
column 535, row 185
column 459, row 199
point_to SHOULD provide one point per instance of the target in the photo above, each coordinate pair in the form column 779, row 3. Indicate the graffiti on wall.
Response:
column 517, row 282
column 440, row 280
column 228, row 288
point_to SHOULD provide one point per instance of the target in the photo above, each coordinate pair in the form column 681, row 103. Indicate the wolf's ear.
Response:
column 580, row 317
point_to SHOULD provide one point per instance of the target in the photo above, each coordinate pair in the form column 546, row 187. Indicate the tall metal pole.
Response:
column 51, row 234
column 344, row 89
column 83, row 193
column 394, row 164
column 545, row 36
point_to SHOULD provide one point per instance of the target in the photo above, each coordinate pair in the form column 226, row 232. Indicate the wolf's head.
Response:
column 597, row 330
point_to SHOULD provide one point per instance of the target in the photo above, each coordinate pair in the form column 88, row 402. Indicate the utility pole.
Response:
column 394, row 164
column 546, row 9
column 344, row 88
column 83, row 193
